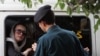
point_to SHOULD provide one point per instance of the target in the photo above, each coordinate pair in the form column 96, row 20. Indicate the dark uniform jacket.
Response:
column 59, row 42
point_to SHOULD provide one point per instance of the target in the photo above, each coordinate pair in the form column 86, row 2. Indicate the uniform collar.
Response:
column 52, row 28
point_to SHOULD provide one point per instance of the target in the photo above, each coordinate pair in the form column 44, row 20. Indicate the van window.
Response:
column 32, row 35
column 79, row 24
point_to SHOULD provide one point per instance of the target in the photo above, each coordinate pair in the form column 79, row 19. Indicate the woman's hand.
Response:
column 34, row 45
column 26, row 52
column 87, row 49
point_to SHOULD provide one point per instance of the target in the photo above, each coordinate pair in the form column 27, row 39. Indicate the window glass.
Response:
column 79, row 24
column 31, row 34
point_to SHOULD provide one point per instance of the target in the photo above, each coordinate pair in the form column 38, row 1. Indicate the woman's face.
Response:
column 20, row 32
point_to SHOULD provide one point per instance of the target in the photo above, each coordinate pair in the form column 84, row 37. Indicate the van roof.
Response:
column 16, row 5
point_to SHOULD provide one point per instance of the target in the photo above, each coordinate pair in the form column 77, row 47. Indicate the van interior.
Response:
column 79, row 24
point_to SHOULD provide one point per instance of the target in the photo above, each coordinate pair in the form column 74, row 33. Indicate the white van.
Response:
column 12, row 12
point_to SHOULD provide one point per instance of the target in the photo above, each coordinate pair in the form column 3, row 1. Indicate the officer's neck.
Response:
column 48, row 26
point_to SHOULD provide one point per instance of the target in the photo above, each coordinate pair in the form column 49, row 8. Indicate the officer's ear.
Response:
column 44, row 23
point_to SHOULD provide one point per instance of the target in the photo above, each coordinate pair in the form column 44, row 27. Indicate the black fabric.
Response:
column 10, row 50
column 41, row 13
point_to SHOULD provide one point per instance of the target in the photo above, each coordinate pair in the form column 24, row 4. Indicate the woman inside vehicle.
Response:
column 16, row 43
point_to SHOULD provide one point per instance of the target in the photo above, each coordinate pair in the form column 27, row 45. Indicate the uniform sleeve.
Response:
column 11, row 51
column 40, row 50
